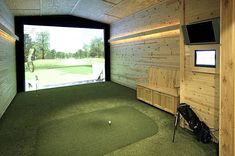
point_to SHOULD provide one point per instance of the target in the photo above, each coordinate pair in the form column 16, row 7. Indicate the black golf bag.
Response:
column 200, row 129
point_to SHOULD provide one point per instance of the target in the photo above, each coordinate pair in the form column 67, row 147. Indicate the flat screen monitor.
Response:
column 206, row 32
column 202, row 32
column 205, row 58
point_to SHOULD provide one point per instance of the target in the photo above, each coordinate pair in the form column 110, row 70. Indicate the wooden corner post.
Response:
column 227, row 78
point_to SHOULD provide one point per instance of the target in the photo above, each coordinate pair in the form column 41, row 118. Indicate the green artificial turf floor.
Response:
column 91, row 133
column 31, row 117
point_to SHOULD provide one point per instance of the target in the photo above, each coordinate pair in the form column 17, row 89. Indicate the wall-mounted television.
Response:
column 205, row 58
column 205, row 32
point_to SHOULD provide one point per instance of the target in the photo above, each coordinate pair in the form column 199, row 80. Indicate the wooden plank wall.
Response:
column 227, row 91
column 200, row 87
column 7, row 62
column 132, row 60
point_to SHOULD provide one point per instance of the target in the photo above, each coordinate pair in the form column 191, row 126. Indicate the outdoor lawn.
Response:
column 53, row 61
column 54, row 72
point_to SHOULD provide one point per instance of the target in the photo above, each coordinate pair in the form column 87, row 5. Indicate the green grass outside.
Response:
column 52, row 73
column 60, row 63
column 63, row 71
column 84, row 70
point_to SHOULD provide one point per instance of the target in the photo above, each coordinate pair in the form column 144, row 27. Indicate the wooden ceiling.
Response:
column 107, row 11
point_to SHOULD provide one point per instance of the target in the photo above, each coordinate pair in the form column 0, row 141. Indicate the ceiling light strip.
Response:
column 157, row 27
column 7, row 36
column 158, row 35
column 147, row 32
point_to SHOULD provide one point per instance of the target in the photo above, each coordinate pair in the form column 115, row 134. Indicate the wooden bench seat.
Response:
column 160, row 88
column 169, row 91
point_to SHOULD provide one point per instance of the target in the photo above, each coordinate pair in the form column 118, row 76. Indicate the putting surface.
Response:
column 90, row 133
column 34, row 119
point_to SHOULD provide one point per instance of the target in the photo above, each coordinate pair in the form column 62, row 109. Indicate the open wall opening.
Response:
column 62, row 56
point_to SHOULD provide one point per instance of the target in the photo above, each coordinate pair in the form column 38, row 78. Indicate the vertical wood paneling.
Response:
column 132, row 60
column 7, row 62
column 182, row 52
column 200, row 86
column 227, row 78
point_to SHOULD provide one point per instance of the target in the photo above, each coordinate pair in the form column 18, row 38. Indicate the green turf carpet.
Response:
column 33, row 116
column 90, row 134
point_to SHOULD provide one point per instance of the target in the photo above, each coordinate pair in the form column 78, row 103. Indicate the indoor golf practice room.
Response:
column 117, row 77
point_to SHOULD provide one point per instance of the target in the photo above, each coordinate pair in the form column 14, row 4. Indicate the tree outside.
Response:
column 54, row 66
column 93, row 50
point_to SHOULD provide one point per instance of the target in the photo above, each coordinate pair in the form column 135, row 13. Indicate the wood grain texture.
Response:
column 148, row 33
column 130, row 6
column 159, row 15
column 160, row 88
column 7, row 63
column 227, row 92
column 182, row 49
column 130, row 61
column 198, row 10
column 163, row 77
column 190, row 56
column 200, row 87
column 164, row 80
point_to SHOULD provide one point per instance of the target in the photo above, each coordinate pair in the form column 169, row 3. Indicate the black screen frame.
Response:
column 61, row 21
column 201, row 65
column 207, row 32
column 216, row 30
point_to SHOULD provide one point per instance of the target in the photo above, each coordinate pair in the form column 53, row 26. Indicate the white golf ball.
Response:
column 110, row 122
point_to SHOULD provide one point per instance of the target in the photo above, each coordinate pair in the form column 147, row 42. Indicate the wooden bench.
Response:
column 160, row 88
